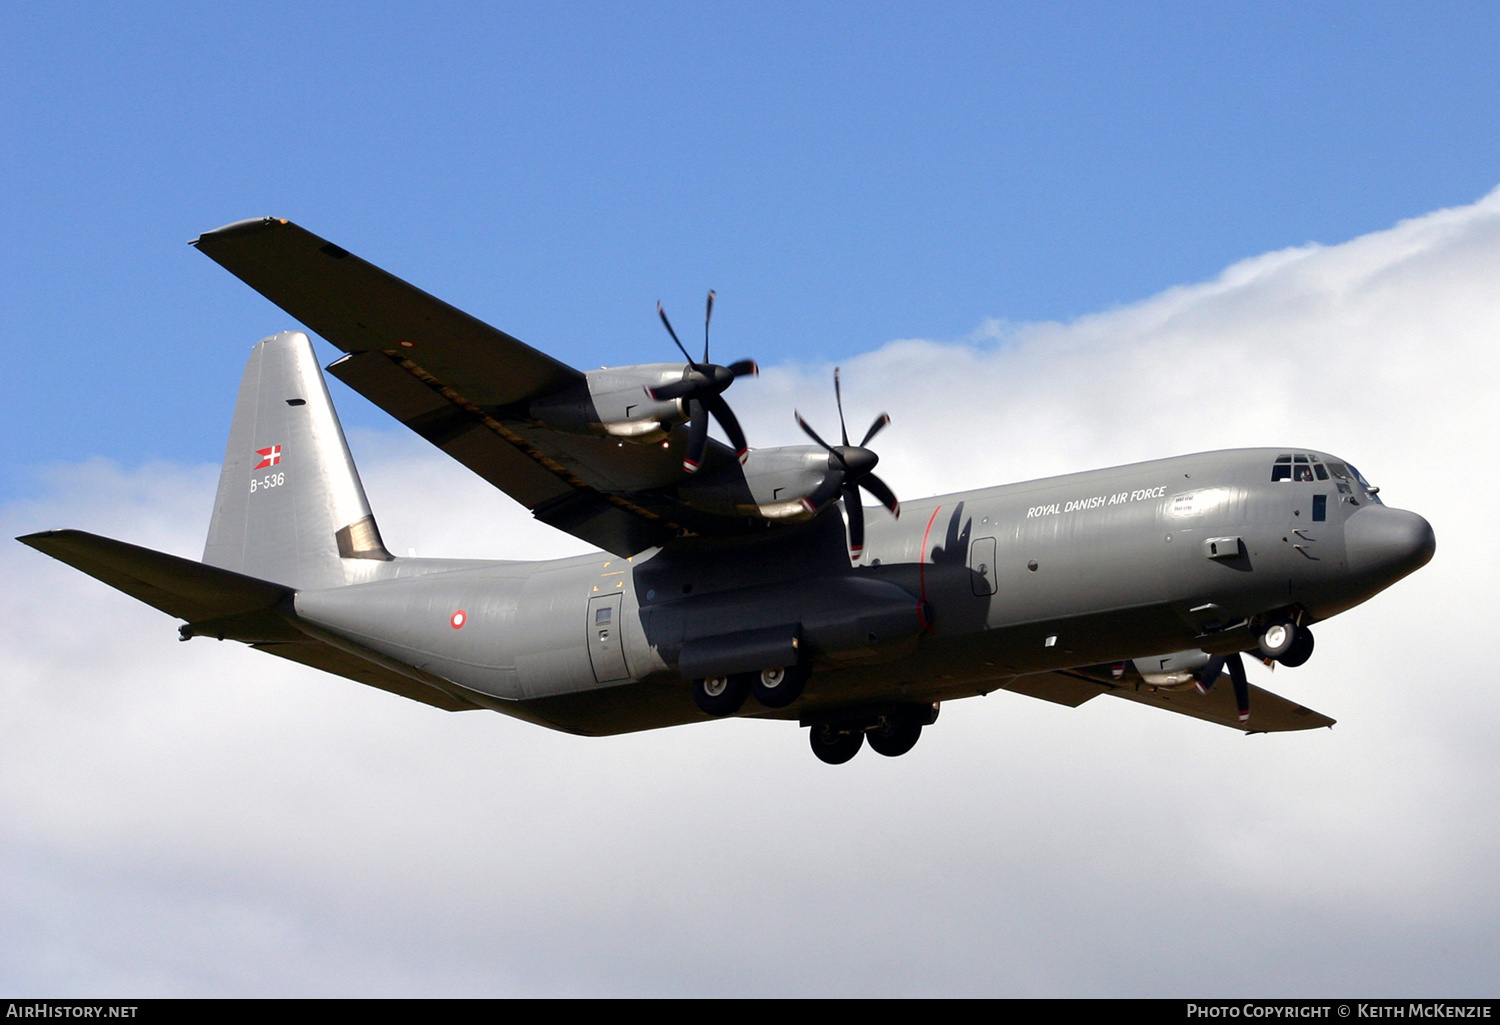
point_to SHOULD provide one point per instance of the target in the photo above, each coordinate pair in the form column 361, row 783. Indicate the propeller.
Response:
column 851, row 468
column 1210, row 675
column 702, row 387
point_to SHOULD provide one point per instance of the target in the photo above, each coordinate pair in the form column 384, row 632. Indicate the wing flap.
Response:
column 1055, row 687
column 460, row 432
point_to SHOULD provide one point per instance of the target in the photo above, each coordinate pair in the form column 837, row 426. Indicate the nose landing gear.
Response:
column 1286, row 642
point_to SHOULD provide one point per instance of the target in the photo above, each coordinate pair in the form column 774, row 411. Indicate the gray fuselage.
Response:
column 960, row 595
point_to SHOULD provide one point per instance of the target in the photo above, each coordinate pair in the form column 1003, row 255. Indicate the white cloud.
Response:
column 201, row 819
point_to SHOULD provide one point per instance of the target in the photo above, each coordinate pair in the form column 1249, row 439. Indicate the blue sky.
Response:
column 844, row 175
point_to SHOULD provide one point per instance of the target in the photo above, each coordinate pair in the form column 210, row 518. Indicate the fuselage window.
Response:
column 1320, row 507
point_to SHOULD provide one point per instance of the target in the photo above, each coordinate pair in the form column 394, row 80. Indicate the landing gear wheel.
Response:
column 1278, row 638
column 897, row 734
column 1300, row 651
column 834, row 747
column 779, row 687
column 720, row 695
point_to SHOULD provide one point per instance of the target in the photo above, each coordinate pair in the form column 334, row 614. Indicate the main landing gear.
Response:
column 892, row 730
column 776, row 687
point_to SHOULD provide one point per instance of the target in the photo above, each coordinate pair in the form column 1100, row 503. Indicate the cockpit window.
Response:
column 1373, row 492
column 1300, row 467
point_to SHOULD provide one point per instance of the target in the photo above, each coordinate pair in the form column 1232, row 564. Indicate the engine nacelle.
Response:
column 772, row 484
column 1177, row 671
column 614, row 401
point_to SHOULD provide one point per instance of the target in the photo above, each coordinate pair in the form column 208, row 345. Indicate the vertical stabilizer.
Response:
column 290, row 507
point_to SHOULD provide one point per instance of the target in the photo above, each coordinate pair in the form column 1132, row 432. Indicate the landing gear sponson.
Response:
column 775, row 687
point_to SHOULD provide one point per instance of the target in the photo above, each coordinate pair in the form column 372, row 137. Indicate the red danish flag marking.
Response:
column 268, row 457
column 458, row 619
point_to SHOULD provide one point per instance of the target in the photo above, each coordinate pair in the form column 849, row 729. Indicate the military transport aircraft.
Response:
column 730, row 581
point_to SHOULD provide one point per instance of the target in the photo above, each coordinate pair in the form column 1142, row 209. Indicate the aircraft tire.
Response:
column 779, row 686
column 1278, row 638
column 1300, row 651
column 897, row 735
column 720, row 695
column 834, row 747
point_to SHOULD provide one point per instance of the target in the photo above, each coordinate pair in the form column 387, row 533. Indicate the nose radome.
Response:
column 1387, row 543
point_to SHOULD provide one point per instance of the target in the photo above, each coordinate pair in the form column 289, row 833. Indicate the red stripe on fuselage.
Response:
column 922, row 561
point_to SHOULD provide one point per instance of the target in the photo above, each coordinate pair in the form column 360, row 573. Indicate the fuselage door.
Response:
column 606, row 639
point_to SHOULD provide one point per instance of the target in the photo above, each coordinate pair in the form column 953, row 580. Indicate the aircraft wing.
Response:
column 1269, row 713
column 465, row 386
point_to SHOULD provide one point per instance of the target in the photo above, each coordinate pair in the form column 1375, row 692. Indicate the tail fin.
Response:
column 290, row 507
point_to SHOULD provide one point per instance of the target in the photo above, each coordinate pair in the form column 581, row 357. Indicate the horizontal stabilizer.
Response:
column 226, row 603
column 179, row 587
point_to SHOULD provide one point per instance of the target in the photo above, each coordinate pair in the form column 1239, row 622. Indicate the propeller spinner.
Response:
column 702, row 387
column 851, row 468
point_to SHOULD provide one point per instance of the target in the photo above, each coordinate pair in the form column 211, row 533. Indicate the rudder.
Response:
column 290, row 506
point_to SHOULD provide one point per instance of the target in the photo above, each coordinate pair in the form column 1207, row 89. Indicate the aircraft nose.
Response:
column 1387, row 543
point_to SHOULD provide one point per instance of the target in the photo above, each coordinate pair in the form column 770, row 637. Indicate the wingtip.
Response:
column 249, row 224
column 34, row 539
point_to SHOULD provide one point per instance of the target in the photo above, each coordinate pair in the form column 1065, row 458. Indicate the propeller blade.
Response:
column 708, row 314
column 875, row 428
column 722, row 413
column 813, row 434
column 882, row 493
column 673, row 390
column 838, row 397
column 1209, row 674
column 855, row 512
column 1241, row 686
column 743, row 367
column 697, row 437
column 663, row 314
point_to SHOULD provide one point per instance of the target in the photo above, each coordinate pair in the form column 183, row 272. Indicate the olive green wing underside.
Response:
column 1269, row 713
